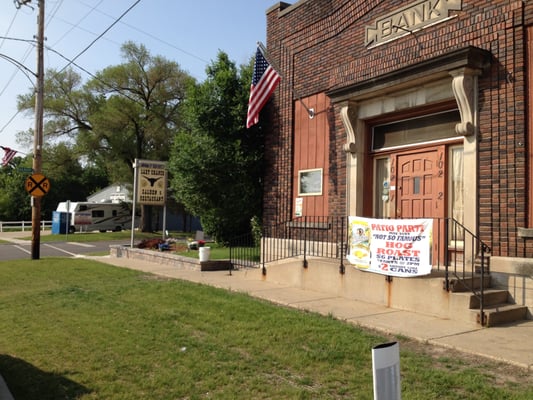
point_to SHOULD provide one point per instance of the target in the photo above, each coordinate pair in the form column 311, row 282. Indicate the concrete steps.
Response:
column 498, row 307
column 468, row 284
column 498, row 314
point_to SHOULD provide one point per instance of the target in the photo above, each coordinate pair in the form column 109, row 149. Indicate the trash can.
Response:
column 204, row 253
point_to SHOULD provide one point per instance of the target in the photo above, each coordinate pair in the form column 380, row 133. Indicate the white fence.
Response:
column 10, row 226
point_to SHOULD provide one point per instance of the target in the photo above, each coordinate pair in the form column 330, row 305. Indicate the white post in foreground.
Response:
column 386, row 371
column 134, row 204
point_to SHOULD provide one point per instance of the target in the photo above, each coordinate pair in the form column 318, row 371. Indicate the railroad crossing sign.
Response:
column 37, row 185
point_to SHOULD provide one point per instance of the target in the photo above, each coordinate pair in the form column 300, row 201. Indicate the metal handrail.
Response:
column 327, row 237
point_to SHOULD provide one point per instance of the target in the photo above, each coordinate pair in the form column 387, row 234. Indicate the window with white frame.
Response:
column 310, row 182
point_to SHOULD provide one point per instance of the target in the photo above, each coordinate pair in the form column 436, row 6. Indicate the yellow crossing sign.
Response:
column 37, row 185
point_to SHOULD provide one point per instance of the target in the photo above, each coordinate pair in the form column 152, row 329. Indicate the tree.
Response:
column 69, row 180
column 125, row 112
column 141, row 108
column 14, row 200
column 216, row 162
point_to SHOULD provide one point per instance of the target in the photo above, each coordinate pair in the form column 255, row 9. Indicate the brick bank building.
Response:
column 406, row 109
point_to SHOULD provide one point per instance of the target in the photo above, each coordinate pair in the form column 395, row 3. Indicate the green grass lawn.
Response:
column 106, row 236
column 79, row 329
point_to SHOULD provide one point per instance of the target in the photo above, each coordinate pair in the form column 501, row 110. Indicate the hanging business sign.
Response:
column 409, row 19
column 151, row 182
column 400, row 247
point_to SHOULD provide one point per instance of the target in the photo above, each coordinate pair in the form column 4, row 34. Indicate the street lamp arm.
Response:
column 25, row 70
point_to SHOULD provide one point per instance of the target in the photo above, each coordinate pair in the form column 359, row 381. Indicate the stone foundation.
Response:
column 167, row 258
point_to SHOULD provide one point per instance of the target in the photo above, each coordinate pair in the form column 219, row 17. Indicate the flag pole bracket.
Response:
column 310, row 111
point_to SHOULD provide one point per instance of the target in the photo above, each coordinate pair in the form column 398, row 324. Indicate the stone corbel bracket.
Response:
column 348, row 115
column 465, row 90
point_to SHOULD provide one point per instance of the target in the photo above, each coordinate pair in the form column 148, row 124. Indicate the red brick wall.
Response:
column 319, row 46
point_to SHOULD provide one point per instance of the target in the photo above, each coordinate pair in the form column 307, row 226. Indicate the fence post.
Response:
column 305, row 242
column 231, row 244
column 263, row 256
column 446, row 256
column 342, row 269
column 482, row 318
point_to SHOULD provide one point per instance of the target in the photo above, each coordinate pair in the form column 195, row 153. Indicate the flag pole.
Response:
column 16, row 151
column 262, row 49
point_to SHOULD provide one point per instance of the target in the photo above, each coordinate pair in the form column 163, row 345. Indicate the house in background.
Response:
column 405, row 109
column 177, row 219
column 112, row 194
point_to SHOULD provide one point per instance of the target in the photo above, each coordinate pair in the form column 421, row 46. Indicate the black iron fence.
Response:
column 306, row 237
column 455, row 250
column 245, row 251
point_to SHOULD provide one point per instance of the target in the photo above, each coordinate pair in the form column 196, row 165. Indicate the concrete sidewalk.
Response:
column 511, row 344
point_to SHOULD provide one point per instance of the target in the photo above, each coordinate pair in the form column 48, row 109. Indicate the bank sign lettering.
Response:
column 152, row 182
column 390, row 247
column 411, row 18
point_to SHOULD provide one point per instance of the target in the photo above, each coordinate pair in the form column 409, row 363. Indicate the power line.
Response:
column 17, row 69
column 102, row 34
column 107, row 84
column 25, row 70
column 9, row 122
column 4, row 38
column 53, row 13
column 76, row 25
column 9, row 27
column 19, row 4
column 152, row 36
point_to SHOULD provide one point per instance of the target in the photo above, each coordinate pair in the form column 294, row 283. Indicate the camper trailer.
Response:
column 87, row 216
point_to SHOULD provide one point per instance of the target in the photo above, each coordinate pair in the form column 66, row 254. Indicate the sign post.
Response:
column 67, row 220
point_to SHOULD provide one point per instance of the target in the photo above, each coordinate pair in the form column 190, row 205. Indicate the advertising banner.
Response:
column 400, row 247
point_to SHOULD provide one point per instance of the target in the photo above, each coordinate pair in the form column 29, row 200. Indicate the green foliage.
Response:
column 257, row 230
column 126, row 111
column 14, row 200
column 138, row 112
column 69, row 180
column 216, row 162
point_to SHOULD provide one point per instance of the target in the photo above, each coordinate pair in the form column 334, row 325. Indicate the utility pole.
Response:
column 38, row 135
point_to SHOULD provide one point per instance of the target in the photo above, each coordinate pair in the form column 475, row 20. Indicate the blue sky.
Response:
column 188, row 32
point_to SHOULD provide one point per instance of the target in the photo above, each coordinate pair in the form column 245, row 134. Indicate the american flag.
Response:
column 264, row 81
column 8, row 155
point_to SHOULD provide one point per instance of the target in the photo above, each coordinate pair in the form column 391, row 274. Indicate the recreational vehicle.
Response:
column 87, row 216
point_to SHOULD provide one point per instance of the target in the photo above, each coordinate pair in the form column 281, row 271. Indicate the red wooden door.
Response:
column 421, row 191
column 420, row 184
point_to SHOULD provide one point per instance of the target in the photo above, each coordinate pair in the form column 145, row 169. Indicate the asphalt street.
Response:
column 22, row 249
